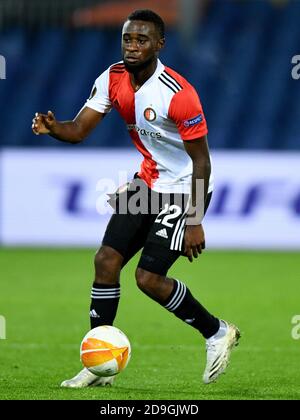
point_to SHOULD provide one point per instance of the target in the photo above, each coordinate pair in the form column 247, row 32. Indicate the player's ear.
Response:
column 161, row 43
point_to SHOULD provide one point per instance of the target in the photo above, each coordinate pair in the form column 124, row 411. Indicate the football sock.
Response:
column 188, row 309
column 104, row 305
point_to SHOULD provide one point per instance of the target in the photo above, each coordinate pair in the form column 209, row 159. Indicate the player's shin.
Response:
column 104, row 304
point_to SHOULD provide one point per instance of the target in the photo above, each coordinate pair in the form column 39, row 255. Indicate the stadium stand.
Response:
column 240, row 65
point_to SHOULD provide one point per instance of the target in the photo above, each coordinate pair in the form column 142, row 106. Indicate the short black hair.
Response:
column 147, row 15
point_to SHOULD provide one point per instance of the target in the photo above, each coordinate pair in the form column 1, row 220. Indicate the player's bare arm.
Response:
column 194, row 239
column 73, row 131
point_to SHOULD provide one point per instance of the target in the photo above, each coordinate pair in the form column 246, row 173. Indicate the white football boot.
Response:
column 218, row 349
column 86, row 378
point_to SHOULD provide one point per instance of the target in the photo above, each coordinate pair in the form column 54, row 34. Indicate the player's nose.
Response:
column 131, row 46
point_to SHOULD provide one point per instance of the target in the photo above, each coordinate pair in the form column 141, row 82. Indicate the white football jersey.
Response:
column 160, row 116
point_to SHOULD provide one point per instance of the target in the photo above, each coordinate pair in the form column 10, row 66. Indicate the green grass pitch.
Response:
column 44, row 296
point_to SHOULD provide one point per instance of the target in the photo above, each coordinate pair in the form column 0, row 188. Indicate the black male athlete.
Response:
column 165, row 120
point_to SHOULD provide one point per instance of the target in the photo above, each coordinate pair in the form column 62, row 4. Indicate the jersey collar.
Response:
column 159, row 69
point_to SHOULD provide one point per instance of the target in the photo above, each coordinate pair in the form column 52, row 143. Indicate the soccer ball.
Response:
column 105, row 351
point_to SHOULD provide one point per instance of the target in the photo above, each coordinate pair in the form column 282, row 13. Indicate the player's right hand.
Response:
column 42, row 124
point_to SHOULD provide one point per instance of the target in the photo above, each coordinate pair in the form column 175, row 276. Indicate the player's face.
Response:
column 141, row 44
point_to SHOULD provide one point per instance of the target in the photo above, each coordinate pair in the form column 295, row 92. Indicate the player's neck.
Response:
column 139, row 78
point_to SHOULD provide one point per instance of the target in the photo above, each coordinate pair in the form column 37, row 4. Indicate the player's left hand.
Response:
column 194, row 241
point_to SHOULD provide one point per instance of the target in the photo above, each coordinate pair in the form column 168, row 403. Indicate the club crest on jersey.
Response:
column 193, row 121
column 150, row 114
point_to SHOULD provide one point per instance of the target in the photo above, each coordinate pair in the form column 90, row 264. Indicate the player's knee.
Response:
column 145, row 280
column 107, row 265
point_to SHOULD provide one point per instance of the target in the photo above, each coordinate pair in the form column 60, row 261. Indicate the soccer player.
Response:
column 165, row 120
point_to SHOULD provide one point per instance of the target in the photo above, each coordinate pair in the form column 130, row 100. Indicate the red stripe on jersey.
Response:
column 148, row 172
column 186, row 110
column 122, row 97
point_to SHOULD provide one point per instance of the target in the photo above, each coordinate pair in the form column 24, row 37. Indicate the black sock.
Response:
column 188, row 309
column 104, row 305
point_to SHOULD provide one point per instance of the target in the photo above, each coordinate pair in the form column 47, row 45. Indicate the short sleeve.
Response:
column 99, row 97
column 187, row 113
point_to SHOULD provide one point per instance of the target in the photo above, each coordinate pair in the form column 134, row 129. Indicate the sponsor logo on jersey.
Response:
column 143, row 132
column 193, row 121
column 150, row 114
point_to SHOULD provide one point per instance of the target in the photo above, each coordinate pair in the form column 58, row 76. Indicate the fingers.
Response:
column 41, row 122
column 199, row 248
column 193, row 251
column 35, row 123
column 194, row 242
column 190, row 251
column 50, row 115
column 189, row 255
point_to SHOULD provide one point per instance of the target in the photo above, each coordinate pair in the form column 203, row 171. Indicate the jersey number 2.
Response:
column 165, row 220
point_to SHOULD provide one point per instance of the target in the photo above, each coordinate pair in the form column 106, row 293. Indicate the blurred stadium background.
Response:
column 238, row 54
